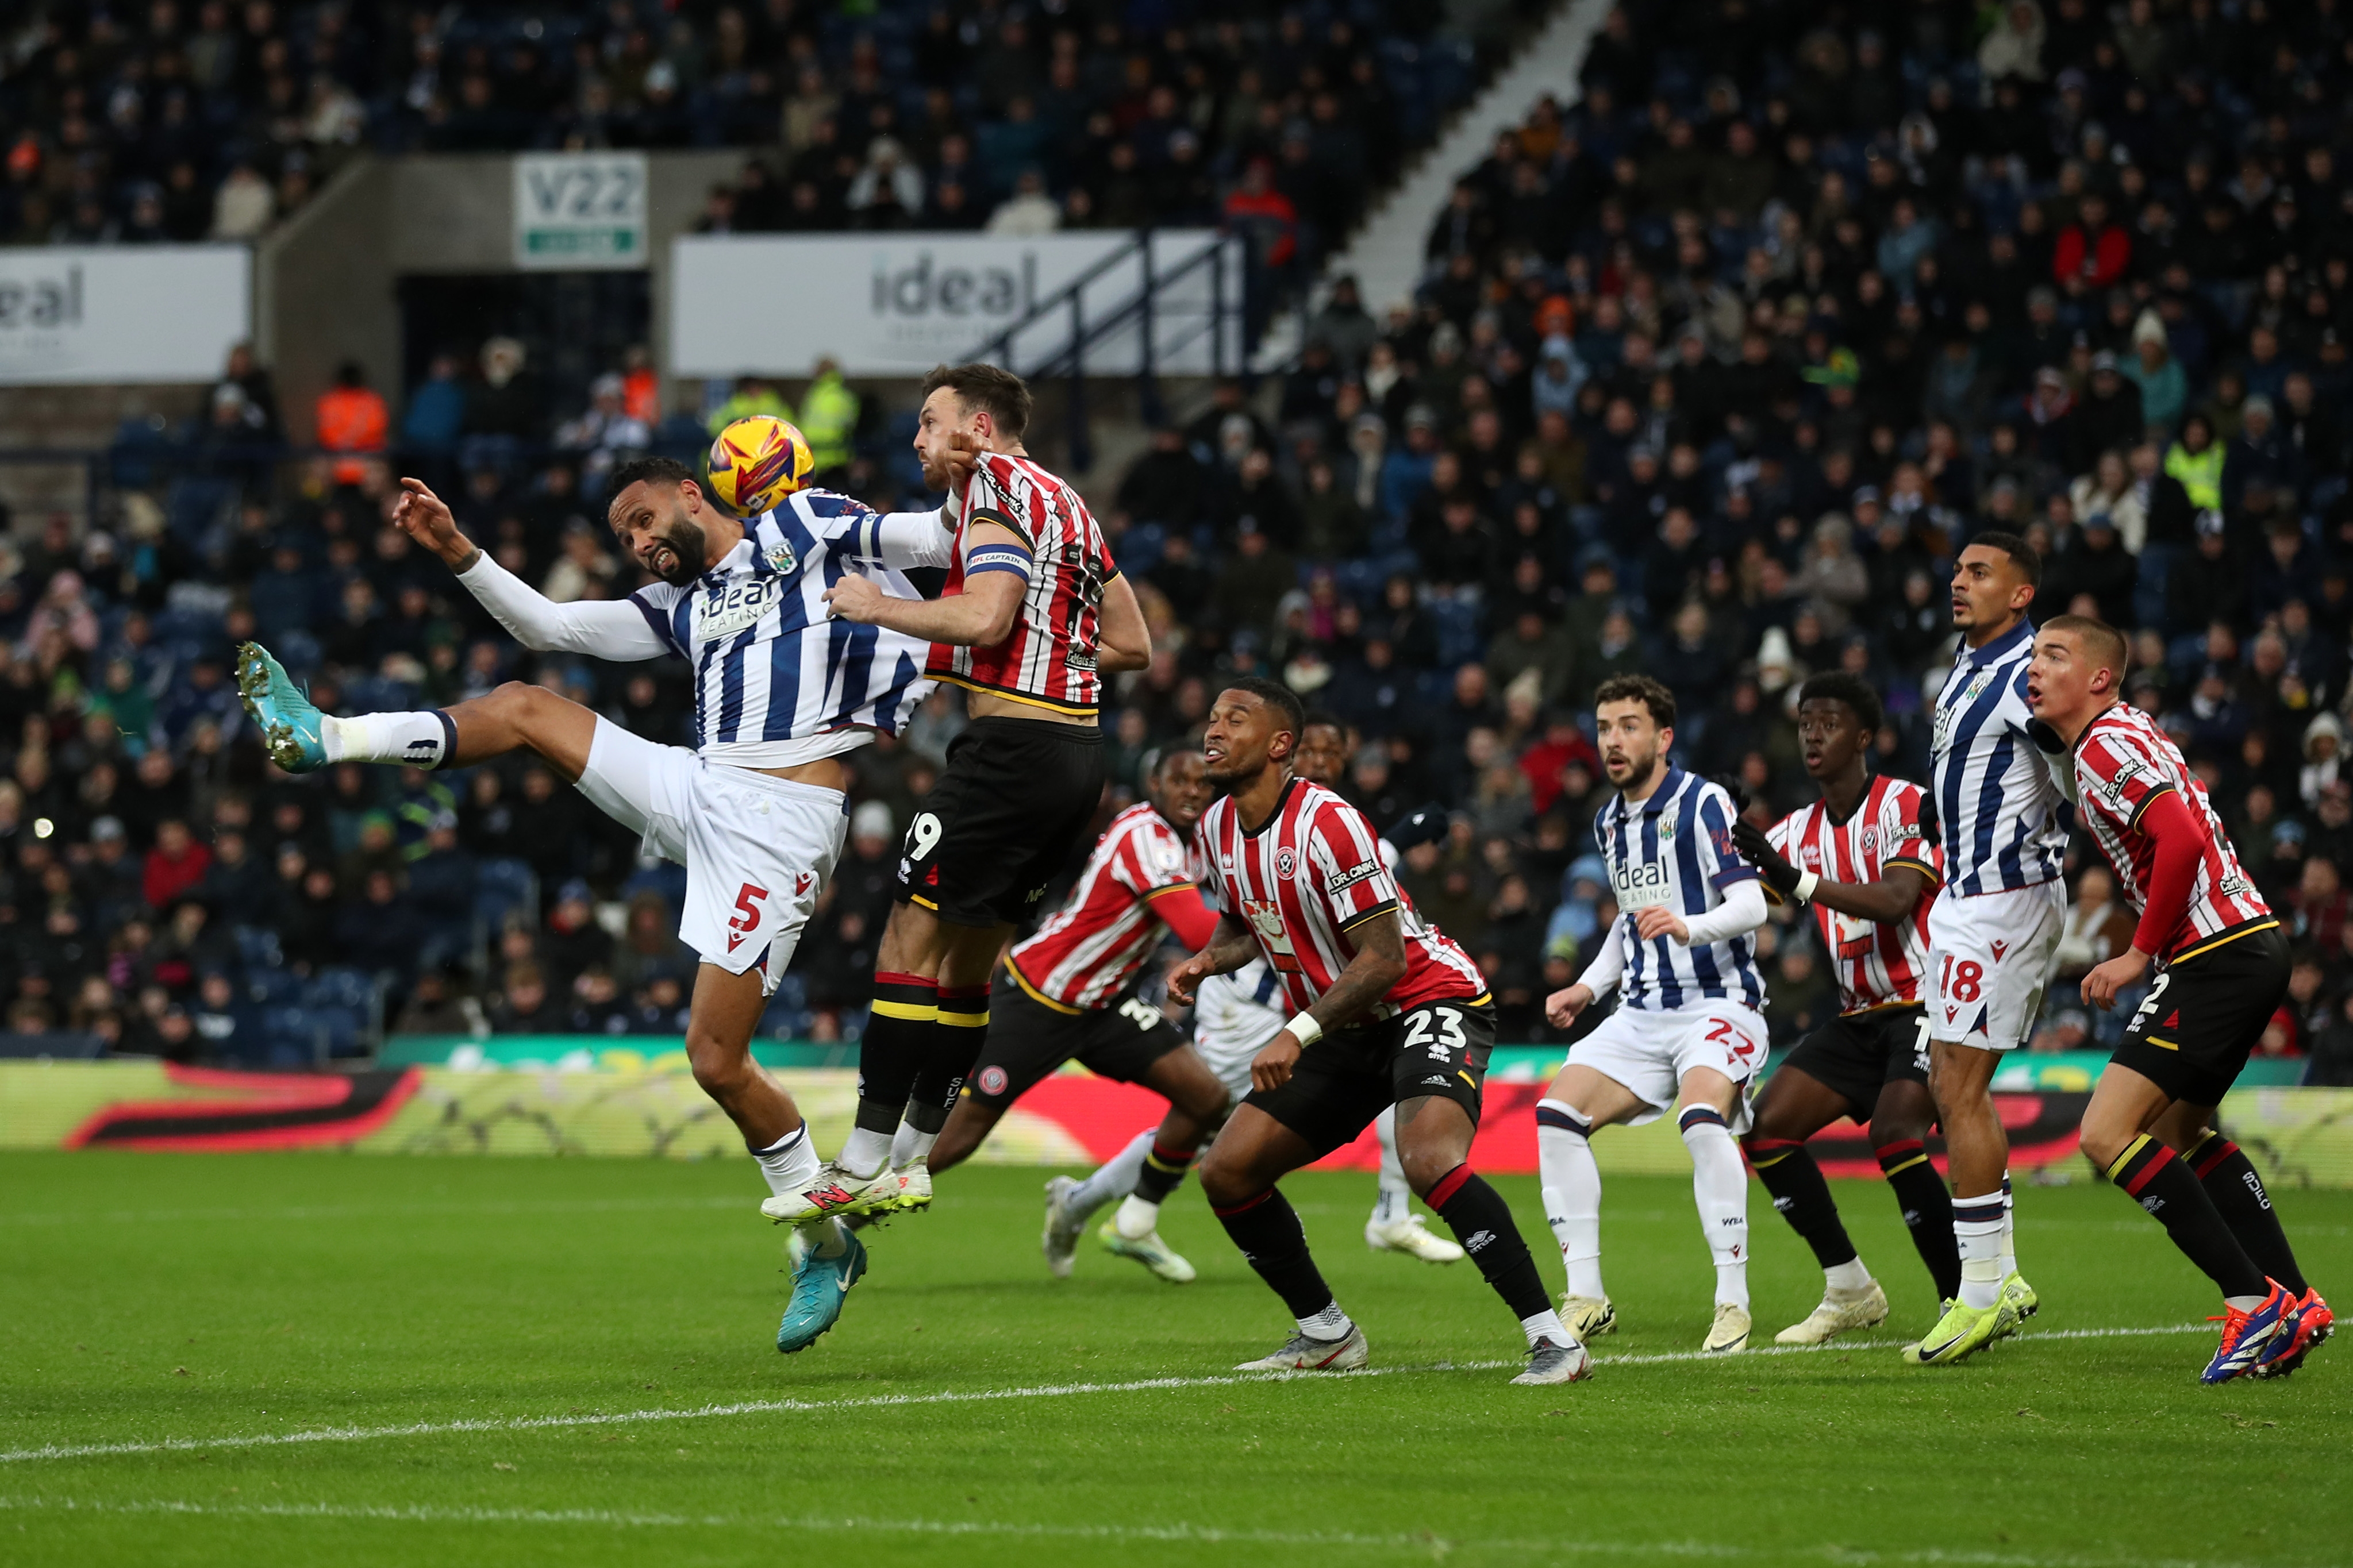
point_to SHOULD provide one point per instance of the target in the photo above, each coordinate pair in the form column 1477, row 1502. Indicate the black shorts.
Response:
column 1350, row 1076
column 1858, row 1054
column 2205, row 1013
column 1016, row 799
column 1028, row 1039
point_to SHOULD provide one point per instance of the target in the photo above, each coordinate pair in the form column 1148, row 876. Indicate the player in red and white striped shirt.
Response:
column 1390, row 1012
column 2223, row 967
column 1068, row 994
column 1033, row 616
column 1863, row 855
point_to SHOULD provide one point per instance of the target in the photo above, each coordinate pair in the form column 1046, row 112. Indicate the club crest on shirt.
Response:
column 1671, row 819
column 1870, row 840
column 782, row 560
column 1286, row 863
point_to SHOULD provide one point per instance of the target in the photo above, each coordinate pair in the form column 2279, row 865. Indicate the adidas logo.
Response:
column 1438, row 1081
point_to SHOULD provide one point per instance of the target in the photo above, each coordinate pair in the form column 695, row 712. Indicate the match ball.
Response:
column 755, row 463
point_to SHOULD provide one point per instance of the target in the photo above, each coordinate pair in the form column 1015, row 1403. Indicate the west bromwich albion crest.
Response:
column 781, row 559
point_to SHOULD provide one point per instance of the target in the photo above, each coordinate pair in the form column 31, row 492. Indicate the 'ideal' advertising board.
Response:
column 95, row 314
column 898, row 304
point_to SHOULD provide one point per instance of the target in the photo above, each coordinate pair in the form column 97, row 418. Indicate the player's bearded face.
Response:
column 677, row 551
column 943, row 418
column 1629, row 745
column 1235, row 744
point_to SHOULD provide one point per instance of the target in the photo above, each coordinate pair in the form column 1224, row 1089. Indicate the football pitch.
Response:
column 301, row 1359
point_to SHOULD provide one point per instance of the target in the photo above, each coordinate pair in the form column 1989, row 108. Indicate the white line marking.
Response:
column 358, row 1211
column 952, row 1396
column 1419, row 1544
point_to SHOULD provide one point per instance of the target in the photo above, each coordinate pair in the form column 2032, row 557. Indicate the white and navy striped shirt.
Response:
column 1997, row 805
column 1675, row 848
column 777, row 681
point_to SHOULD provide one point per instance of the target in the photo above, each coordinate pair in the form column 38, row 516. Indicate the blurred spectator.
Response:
column 351, row 417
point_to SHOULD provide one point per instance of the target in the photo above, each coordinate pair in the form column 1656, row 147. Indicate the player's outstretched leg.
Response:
column 1196, row 1108
column 1254, row 1152
column 1794, row 1106
column 2260, row 1315
column 1434, row 1135
column 1394, row 1226
column 1720, row 1189
column 1069, row 1203
column 2231, row 1179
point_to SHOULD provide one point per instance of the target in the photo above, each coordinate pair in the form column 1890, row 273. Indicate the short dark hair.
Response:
column 2101, row 640
column 1324, row 717
column 1642, row 689
column 1275, row 694
column 1838, row 686
column 2024, row 556
column 653, row 470
column 1004, row 395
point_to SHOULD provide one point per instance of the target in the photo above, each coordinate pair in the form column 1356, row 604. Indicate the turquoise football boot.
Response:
column 289, row 723
column 819, row 1285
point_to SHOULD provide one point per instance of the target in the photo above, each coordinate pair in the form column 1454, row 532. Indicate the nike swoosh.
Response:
column 1929, row 1351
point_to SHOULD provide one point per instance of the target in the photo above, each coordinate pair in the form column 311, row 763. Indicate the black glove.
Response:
column 1431, row 823
column 1758, row 851
column 1928, row 814
column 2046, row 739
column 1730, row 784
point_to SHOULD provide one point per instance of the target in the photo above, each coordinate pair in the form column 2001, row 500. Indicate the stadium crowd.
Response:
column 184, row 120
column 1711, row 373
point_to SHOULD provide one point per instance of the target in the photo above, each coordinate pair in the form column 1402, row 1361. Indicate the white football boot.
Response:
column 1061, row 1240
column 1302, row 1353
column 1840, row 1310
column 1729, row 1332
column 1412, row 1238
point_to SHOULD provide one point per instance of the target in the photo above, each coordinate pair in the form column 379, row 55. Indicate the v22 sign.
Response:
column 580, row 211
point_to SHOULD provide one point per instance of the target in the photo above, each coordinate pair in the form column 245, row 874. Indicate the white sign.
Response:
column 82, row 314
column 898, row 304
column 580, row 211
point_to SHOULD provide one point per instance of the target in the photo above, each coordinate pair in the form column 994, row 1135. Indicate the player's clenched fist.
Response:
column 1187, row 973
column 854, row 598
column 1271, row 1069
column 1562, row 1007
column 1658, row 920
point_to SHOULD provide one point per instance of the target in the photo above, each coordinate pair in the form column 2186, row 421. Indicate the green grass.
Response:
column 211, row 1298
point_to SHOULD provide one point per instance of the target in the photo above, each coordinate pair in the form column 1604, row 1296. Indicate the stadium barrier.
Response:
column 651, row 1107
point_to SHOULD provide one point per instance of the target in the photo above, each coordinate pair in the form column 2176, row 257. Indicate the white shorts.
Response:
column 757, row 850
column 1649, row 1052
column 1230, row 1027
column 1989, row 957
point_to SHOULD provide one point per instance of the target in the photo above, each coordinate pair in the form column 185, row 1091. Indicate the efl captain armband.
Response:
column 998, row 558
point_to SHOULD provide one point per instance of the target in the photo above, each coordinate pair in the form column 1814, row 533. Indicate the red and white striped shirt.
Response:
column 1049, row 658
column 2122, row 761
column 1087, row 950
column 1880, row 962
column 1309, row 874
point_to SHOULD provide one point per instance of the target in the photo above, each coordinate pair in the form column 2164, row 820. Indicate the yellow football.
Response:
column 755, row 463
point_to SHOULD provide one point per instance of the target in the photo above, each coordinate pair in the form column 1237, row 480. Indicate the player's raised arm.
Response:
column 607, row 628
column 1893, row 897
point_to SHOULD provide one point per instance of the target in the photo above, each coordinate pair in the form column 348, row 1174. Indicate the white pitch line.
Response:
column 1418, row 1544
column 951, row 1397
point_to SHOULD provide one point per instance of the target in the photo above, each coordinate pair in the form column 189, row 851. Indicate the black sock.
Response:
column 1481, row 1222
column 2148, row 1171
column 953, row 1045
column 1267, row 1230
column 1800, row 1195
column 1927, row 1205
column 1164, row 1169
column 898, row 1035
column 2228, row 1177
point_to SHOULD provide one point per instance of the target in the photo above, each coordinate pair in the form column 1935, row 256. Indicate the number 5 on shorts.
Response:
column 747, row 909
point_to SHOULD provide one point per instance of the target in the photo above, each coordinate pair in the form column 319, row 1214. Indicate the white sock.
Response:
column 1720, row 1187
column 1546, row 1325
column 1976, row 1227
column 865, row 1153
column 909, row 1145
column 419, row 740
column 1572, row 1193
column 1396, row 1200
column 790, row 1162
column 1331, row 1323
column 1135, row 1218
column 1848, row 1275
column 830, row 1239
column 1115, row 1177
column 2008, row 1230
column 2242, row 1303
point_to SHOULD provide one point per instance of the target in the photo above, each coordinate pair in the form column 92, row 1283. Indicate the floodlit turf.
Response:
column 541, row 1323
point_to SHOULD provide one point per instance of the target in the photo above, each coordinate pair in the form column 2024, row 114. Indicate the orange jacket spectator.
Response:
column 174, row 866
column 352, row 418
column 2091, row 251
column 1265, row 215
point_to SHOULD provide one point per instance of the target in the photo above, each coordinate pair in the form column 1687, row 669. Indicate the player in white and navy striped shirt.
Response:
column 1687, row 1026
column 755, row 812
column 1993, row 931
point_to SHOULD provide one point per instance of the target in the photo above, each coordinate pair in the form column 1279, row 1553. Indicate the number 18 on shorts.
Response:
column 1989, row 957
